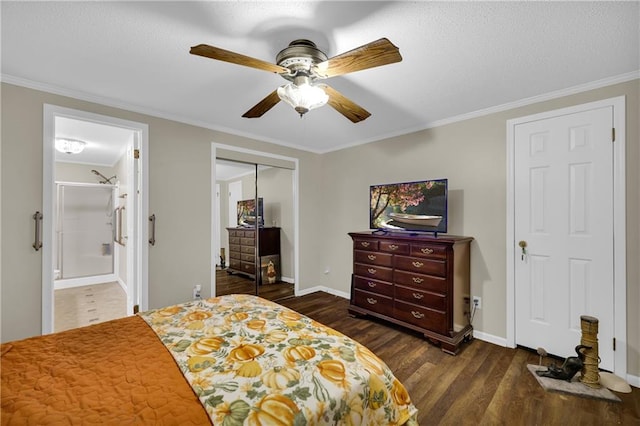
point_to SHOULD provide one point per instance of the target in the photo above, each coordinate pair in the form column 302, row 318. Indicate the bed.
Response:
column 229, row 360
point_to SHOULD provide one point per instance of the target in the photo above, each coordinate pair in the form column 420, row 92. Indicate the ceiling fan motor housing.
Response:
column 300, row 56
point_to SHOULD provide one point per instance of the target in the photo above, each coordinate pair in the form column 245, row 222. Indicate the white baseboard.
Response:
column 325, row 290
column 490, row 338
column 338, row 293
column 287, row 280
column 122, row 284
column 633, row 380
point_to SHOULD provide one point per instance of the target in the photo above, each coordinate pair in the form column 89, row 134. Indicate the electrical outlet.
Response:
column 477, row 302
column 196, row 291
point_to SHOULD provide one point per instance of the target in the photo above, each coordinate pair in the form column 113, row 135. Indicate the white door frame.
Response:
column 141, row 132
column 296, row 198
column 619, row 217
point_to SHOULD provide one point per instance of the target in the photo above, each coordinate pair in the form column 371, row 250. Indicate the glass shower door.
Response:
column 85, row 233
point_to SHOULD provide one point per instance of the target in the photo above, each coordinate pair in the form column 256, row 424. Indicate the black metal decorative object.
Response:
column 569, row 368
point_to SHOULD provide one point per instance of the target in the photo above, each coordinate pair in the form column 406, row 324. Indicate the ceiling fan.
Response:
column 303, row 64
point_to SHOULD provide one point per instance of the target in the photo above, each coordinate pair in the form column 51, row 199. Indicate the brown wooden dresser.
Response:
column 417, row 281
column 243, row 256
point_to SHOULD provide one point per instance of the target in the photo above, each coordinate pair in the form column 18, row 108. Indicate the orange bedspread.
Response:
column 116, row 372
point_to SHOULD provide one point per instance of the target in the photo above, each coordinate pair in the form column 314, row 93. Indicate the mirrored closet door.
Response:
column 255, row 235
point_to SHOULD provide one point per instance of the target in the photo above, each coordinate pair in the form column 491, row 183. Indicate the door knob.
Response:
column 523, row 246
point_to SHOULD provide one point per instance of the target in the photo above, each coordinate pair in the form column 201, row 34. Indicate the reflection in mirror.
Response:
column 256, row 231
column 275, row 189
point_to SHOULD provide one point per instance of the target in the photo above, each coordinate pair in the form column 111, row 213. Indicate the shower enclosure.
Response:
column 85, row 231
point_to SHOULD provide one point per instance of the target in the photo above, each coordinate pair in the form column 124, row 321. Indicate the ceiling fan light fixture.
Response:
column 70, row 146
column 302, row 96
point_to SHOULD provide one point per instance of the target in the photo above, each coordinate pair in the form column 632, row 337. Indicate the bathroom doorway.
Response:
column 94, row 259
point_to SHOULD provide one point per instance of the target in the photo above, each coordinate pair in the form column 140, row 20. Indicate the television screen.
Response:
column 409, row 206
column 247, row 213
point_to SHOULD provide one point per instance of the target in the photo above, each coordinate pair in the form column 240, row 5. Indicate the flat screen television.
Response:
column 419, row 206
column 247, row 214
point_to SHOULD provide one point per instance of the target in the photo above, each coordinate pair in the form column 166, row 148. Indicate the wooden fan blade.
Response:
column 374, row 54
column 344, row 106
column 236, row 58
column 263, row 106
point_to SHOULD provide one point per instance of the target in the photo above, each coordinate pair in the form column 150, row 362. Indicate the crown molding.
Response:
column 44, row 87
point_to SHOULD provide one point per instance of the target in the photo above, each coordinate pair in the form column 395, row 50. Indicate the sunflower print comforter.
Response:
column 254, row 362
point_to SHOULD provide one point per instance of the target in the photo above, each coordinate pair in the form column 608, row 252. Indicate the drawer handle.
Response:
column 371, row 301
column 393, row 247
column 418, row 280
column 418, row 315
column 372, row 257
column 371, row 284
column 364, row 243
column 417, row 264
column 426, row 250
column 372, row 271
column 418, row 295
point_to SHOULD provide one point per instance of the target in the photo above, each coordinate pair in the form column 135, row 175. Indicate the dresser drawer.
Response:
column 249, row 268
column 246, row 257
column 249, row 234
column 394, row 247
column 373, row 258
column 374, row 302
column 248, row 249
column 437, row 301
column 430, row 251
column 422, row 317
column 234, row 247
column 374, row 286
column 235, row 255
column 421, row 265
column 235, row 233
column 234, row 263
column 359, row 244
column 247, row 241
column 234, row 240
column 421, row 282
column 370, row 271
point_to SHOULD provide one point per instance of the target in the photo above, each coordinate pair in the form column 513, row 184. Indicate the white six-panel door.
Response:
column 563, row 212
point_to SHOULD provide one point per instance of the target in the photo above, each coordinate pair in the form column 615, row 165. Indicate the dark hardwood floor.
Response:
column 236, row 283
column 484, row 384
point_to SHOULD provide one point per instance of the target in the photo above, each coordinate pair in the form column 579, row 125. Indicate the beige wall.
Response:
column 472, row 154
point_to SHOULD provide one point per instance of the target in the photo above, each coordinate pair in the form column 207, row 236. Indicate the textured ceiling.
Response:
column 459, row 59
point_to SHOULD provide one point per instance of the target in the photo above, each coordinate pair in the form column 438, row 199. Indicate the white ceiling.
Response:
column 105, row 145
column 460, row 59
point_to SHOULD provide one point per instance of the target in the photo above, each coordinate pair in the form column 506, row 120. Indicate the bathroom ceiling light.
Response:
column 70, row 146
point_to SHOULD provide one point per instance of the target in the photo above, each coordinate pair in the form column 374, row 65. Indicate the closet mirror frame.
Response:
column 257, row 160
